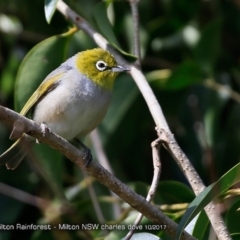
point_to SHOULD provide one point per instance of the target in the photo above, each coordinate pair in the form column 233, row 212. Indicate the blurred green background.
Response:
column 190, row 56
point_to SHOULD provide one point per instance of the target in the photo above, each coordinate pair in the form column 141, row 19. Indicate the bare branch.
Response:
column 24, row 196
column 45, row 175
column 102, row 158
column 101, row 155
column 96, row 204
column 136, row 37
column 210, row 83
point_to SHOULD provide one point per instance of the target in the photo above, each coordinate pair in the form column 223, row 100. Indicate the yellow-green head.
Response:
column 99, row 66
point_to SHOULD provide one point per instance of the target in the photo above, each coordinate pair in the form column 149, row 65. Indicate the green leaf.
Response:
column 232, row 215
column 186, row 74
column 179, row 193
column 100, row 14
column 50, row 8
column 125, row 93
column 37, row 64
column 129, row 57
column 206, row 196
column 9, row 73
column 52, row 165
column 201, row 226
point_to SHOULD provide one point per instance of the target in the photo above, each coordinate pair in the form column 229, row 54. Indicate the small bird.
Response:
column 72, row 100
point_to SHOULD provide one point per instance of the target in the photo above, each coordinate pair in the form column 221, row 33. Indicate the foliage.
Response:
column 183, row 44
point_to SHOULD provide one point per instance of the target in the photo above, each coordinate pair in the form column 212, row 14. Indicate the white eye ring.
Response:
column 101, row 65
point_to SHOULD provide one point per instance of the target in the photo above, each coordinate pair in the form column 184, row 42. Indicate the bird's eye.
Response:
column 101, row 65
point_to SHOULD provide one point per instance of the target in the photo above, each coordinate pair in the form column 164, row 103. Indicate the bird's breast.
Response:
column 74, row 108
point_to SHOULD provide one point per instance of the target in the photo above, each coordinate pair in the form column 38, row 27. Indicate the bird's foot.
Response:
column 87, row 152
column 88, row 157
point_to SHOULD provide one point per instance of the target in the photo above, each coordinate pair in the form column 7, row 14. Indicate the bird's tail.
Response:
column 15, row 154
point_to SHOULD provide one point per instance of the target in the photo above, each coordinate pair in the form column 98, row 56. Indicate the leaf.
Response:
column 50, row 8
column 189, row 228
column 179, row 193
column 128, row 27
column 232, row 215
column 129, row 57
column 201, row 226
column 9, row 73
column 100, row 14
column 52, row 163
column 125, row 93
column 37, row 64
column 207, row 195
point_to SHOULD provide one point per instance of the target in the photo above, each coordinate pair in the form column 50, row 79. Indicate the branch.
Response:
column 56, row 209
column 136, row 38
column 157, row 114
column 156, row 144
column 100, row 154
column 95, row 202
column 103, row 160
column 94, row 169
column 211, row 83
column 24, row 196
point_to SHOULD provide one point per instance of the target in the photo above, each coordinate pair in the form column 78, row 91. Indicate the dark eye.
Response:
column 101, row 65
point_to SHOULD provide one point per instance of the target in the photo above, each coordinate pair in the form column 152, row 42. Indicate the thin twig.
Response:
column 210, row 83
column 45, row 175
column 101, row 155
column 93, row 169
column 231, row 193
column 24, row 196
column 156, row 112
column 136, row 37
column 96, row 204
column 174, row 207
column 153, row 188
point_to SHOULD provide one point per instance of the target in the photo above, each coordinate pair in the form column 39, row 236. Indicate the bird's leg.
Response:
column 88, row 155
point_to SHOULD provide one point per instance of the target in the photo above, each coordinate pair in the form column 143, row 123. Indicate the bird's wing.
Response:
column 46, row 86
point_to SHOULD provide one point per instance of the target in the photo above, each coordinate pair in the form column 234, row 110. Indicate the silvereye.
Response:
column 72, row 100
